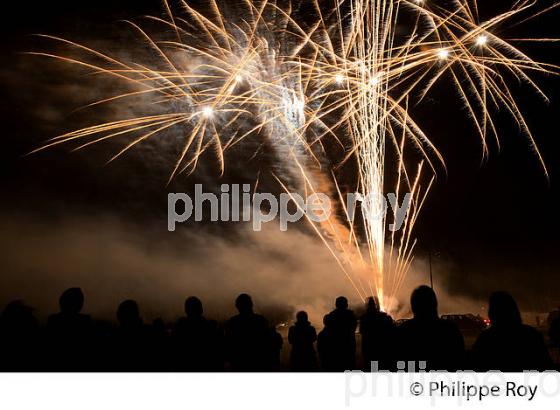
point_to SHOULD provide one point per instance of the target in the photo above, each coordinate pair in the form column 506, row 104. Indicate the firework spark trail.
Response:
column 296, row 79
column 374, row 22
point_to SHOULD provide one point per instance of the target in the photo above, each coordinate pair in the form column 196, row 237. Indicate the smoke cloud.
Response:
column 112, row 260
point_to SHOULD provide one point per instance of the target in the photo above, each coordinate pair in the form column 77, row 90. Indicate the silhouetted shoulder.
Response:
column 254, row 318
column 60, row 321
column 261, row 319
column 532, row 333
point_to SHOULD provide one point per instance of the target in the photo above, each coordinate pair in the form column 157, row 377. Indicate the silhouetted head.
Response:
column 128, row 313
column 423, row 302
column 371, row 305
column 341, row 303
column 71, row 300
column 193, row 307
column 17, row 316
column 301, row 317
column 244, row 303
column 503, row 310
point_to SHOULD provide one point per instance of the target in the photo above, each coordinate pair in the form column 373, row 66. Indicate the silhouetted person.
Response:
column 509, row 345
column 302, row 337
column 377, row 330
column 133, row 342
column 70, row 334
column 248, row 338
column 18, row 338
column 340, row 338
column 196, row 340
column 428, row 338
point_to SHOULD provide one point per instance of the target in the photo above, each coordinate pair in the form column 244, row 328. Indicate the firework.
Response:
column 344, row 71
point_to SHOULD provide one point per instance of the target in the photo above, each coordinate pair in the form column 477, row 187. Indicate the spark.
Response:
column 208, row 112
column 481, row 40
column 443, row 53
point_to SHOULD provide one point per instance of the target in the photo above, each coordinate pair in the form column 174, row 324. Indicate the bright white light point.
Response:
column 339, row 78
column 443, row 53
column 238, row 78
column 208, row 112
column 481, row 40
column 376, row 79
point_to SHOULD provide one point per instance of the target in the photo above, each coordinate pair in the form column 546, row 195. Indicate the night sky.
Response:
column 491, row 224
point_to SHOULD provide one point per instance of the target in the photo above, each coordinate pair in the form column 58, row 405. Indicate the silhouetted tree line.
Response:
column 72, row 341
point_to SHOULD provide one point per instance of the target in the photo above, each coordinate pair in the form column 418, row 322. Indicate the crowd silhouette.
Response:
column 73, row 341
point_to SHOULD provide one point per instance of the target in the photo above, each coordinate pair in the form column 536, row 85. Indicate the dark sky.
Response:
column 491, row 224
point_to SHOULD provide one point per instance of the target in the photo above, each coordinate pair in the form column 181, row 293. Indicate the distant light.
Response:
column 443, row 53
column 208, row 112
column 419, row 1
column 339, row 78
column 481, row 40
column 238, row 78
